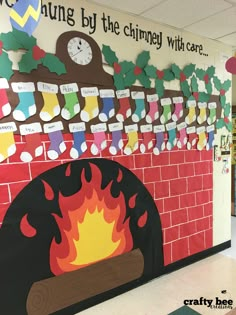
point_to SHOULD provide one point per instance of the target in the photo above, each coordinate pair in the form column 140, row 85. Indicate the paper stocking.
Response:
column 212, row 118
column 182, row 135
column 202, row 139
column 91, row 108
column 132, row 145
column 202, row 115
column 140, row 110
column 192, row 137
column 72, row 106
column 160, row 143
column 51, row 107
column 117, row 141
column 178, row 113
column 8, row 147
column 79, row 145
column 191, row 113
column 5, row 107
column 33, row 147
column 57, row 144
column 153, row 113
column 147, row 135
column 108, row 109
column 211, row 137
column 26, row 107
column 125, row 108
column 100, row 142
column 166, row 115
column 172, row 140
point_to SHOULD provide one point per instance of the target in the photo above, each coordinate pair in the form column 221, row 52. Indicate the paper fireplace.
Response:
column 76, row 235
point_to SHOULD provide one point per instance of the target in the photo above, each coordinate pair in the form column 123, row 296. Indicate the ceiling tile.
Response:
column 135, row 7
column 179, row 13
column 216, row 26
column 229, row 39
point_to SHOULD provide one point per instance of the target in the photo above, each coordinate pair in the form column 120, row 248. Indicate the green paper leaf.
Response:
column 109, row 55
column 185, row 88
column 119, row 81
column 176, row 70
column 211, row 71
column 194, row 84
column 142, row 59
column 54, row 64
column 159, row 85
column 200, row 73
column 27, row 42
column 223, row 100
column 5, row 66
column 203, row 97
column 126, row 66
column 151, row 71
column 27, row 63
column 226, row 85
column 129, row 79
column 168, row 75
column 209, row 88
column 9, row 41
column 227, row 109
column 189, row 69
column 217, row 83
column 144, row 80
column 229, row 126
column 220, row 123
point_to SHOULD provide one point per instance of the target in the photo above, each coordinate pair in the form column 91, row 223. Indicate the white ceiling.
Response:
column 215, row 19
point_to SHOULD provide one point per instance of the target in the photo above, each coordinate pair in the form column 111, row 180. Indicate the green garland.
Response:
column 127, row 73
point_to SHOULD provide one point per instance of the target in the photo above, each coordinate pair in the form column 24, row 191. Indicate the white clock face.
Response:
column 79, row 51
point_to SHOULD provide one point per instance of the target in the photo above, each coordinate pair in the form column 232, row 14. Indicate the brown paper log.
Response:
column 53, row 294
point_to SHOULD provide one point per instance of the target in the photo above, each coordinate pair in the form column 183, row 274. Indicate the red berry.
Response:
column 117, row 67
column 196, row 95
column 137, row 70
column 222, row 92
column 1, row 44
column 38, row 53
column 206, row 78
column 160, row 74
column 182, row 77
column 226, row 120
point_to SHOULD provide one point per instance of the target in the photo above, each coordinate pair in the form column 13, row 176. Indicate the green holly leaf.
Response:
column 144, row 80
column 203, row 97
column 211, row 71
column 10, row 42
column 168, row 75
column 109, row 55
column 119, row 81
column 126, row 66
column 176, row 70
column 209, row 88
column 54, row 64
column 217, row 83
column 142, row 59
column 159, row 85
column 27, row 63
column 227, row 109
column 194, row 84
column 226, row 85
column 200, row 73
column 189, row 69
column 222, row 100
column 185, row 88
column 5, row 66
column 129, row 79
column 220, row 123
column 27, row 42
column 151, row 71
column 229, row 126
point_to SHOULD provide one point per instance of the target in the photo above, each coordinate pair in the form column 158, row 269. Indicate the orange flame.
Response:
column 93, row 226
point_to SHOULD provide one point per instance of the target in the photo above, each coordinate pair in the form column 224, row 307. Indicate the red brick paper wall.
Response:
column 180, row 181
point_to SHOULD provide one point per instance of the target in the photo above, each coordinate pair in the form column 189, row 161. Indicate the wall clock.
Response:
column 80, row 51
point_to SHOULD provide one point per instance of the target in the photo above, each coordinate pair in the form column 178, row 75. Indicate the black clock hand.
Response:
column 77, row 53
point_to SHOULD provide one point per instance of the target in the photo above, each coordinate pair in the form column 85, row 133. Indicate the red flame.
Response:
column 143, row 220
column 92, row 226
column 49, row 194
column 26, row 229
column 68, row 170
column 132, row 201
